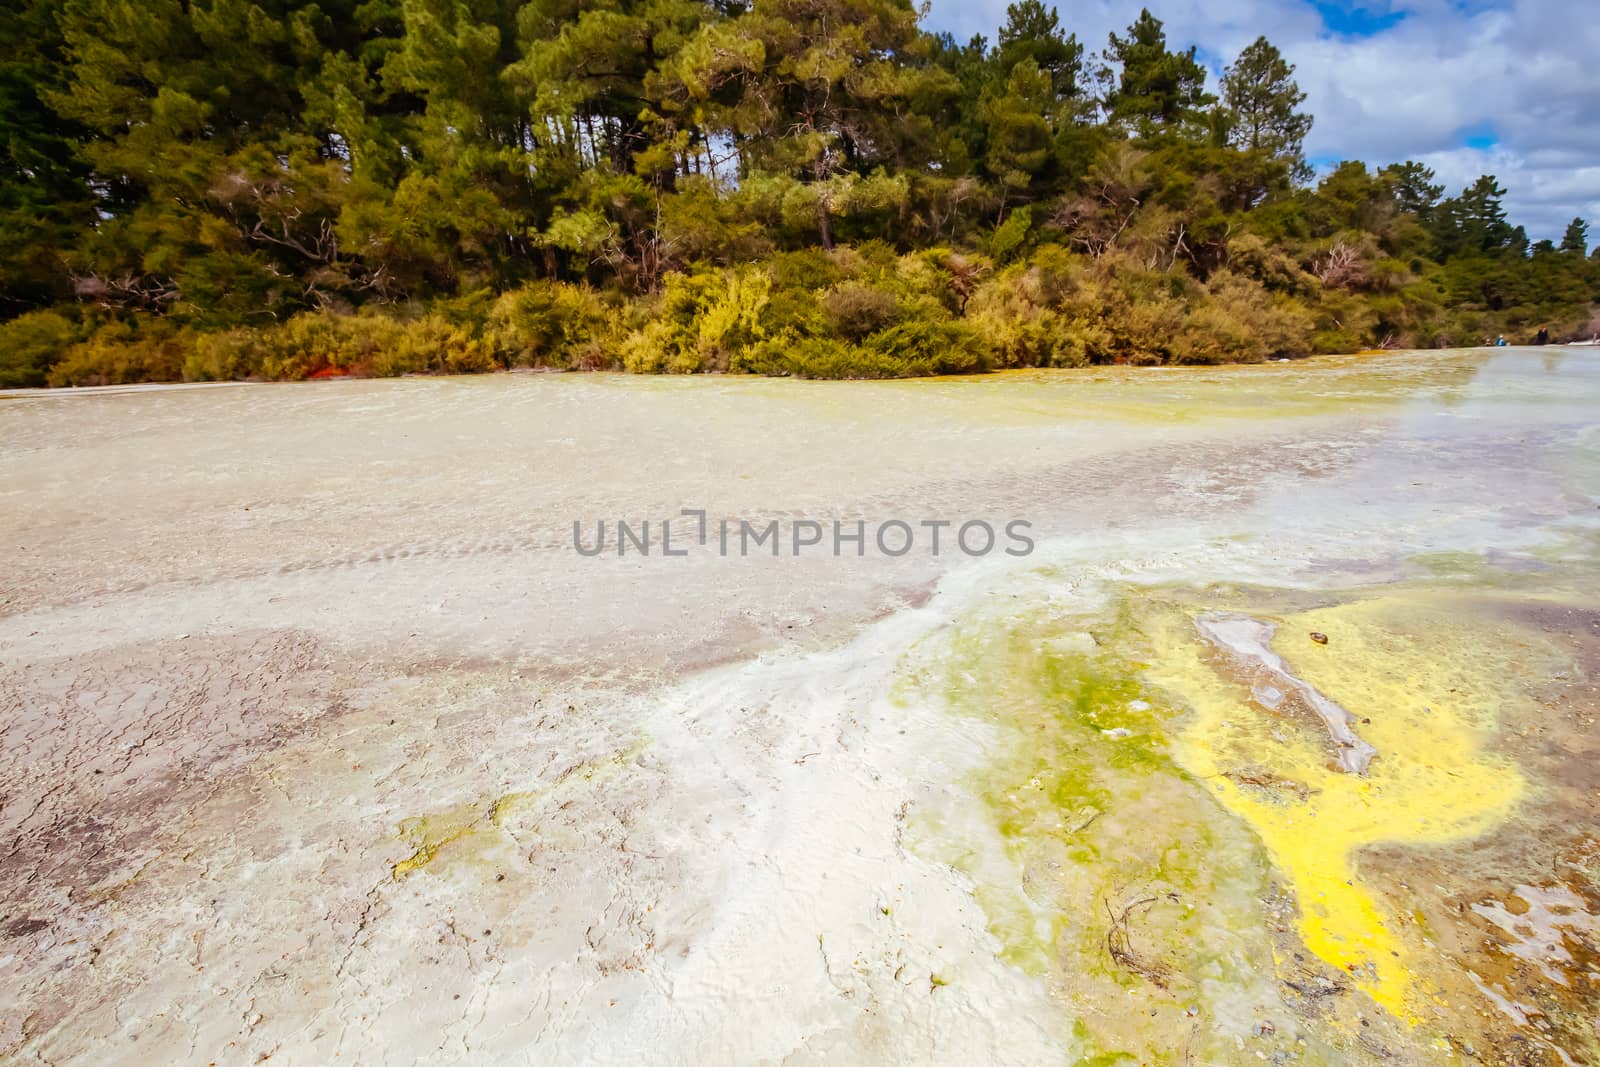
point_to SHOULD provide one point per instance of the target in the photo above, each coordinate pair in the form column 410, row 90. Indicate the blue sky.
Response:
column 1503, row 87
column 1356, row 20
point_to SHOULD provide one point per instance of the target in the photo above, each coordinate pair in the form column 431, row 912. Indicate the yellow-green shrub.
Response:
column 856, row 309
column 732, row 319
column 550, row 324
column 432, row 345
column 1251, row 256
column 648, row 349
column 31, row 344
column 1123, row 311
column 923, row 346
column 705, row 321
column 223, row 357
column 1237, row 321
column 123, row 352
column 317, row 341
column 1344, row 322
column 1022, row 331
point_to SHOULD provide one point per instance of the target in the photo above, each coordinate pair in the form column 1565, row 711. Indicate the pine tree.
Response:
column 1156, row 89
column 1576, row 239
column 1033, row 32
column 1262, row 99
column 971, row 66
column 825, row 88
column 1475, row 222
column 45, row 202
column 1483, row 214
column 1018, row 134
column 1414, row 189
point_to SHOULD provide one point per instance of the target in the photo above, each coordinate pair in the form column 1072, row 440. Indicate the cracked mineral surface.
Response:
column 323, row 744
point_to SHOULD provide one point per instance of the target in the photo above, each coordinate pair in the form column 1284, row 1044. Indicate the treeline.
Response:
column 273, row 188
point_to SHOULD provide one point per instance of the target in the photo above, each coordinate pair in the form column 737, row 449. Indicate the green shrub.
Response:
column 1055, row 272
column 814, row 357
column 809, row 269
column 124, row 352
column 1010, row 235
column 921, row 346
column 1237, row 321
column 774, row 354
column 1020, row 334
column 1122, row 311
column 1212, row 335
column 856, row 309
column 550, row 324
column 675, row 330
column 317, row 342
column 911, row 349
column 732, row 318
column 1083, row 342
column 648, row 349
column 704, row 322
column 1252, row 257
column 854, row 312
column 826, row 357
column 1047, row 340
column 224, row 357
column 1011, row 313
column 795, row 310
column 432, row 345
column 1344, row 323
column 31, row 344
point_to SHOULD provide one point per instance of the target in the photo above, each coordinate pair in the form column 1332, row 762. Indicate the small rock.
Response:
column 1118, row 733
column 1319, row 638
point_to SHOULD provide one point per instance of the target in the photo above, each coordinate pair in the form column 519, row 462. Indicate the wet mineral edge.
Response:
column 322, row 744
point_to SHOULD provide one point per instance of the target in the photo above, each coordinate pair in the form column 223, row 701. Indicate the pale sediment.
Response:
column 1247, row 643
column 326, row 745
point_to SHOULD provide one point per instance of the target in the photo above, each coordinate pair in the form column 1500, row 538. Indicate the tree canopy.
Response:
column 1263, row 102
column 194, row 187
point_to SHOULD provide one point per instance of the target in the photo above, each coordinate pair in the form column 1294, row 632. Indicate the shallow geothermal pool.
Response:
column 326, row 743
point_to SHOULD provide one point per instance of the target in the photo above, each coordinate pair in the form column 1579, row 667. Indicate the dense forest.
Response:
column 214, row 189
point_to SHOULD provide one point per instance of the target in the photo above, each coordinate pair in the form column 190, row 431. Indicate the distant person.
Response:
column 1543, row 338
column 1500, row 342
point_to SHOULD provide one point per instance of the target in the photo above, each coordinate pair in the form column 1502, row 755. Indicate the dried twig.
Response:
column 1119, row 944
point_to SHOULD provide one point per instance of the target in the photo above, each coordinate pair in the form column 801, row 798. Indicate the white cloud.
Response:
column 1529, row 70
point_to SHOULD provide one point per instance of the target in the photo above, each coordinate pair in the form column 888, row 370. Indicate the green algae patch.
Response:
column 1186, row 860
column 1452, row 564
column 1143, row 905
column 1480, row 572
